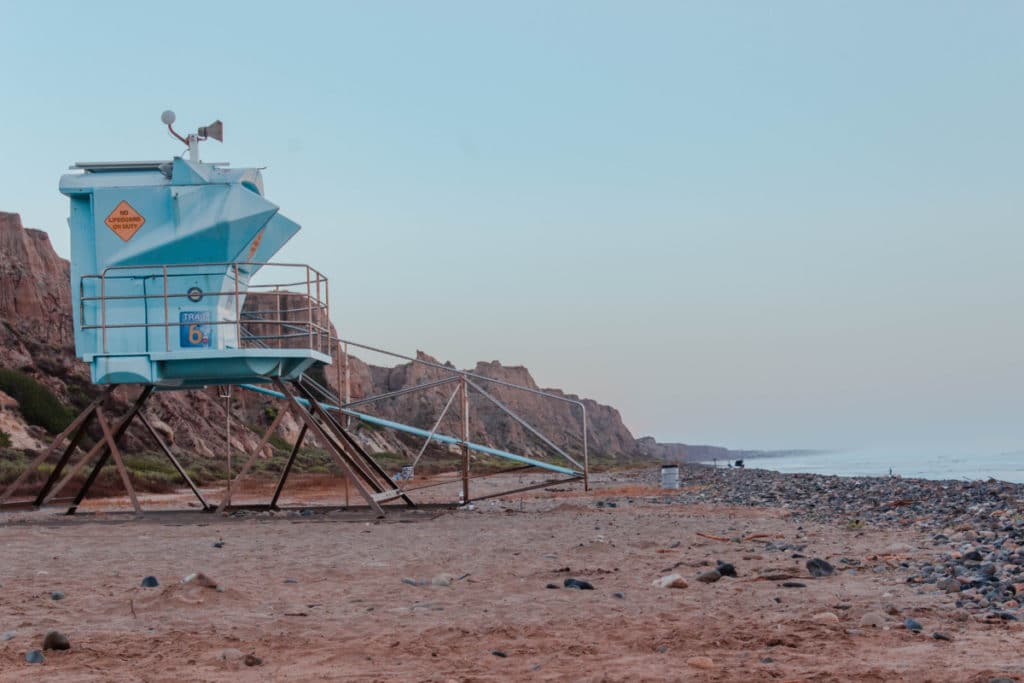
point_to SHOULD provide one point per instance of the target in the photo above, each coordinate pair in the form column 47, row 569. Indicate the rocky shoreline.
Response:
column 975, row 527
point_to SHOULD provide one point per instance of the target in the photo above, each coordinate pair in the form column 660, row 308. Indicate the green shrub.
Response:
column 37, row 403
column 5, row 439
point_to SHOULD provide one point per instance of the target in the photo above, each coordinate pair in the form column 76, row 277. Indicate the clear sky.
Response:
column 754, row 224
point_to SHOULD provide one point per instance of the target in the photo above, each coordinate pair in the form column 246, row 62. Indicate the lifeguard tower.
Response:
column 163, row 257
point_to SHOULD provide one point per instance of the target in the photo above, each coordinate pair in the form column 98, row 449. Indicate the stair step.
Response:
column 386, row 495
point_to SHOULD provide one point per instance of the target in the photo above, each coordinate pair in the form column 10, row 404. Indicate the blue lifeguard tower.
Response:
column 163, row 257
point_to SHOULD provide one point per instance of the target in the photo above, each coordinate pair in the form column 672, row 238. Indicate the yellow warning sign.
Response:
column 124, row 220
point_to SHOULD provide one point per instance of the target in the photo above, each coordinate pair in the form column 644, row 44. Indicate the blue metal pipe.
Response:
column 408, row 429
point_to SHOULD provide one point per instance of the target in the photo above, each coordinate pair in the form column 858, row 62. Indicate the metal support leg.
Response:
column 174, row 461
column 118, row 462
column 80, row 425
column 75, row 471
column 319, row 431
column 288, row 467
column 252, row 457
column 465, row 442
column 104, row 450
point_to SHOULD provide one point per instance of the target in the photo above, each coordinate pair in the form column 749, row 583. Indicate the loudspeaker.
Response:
column 215, row 130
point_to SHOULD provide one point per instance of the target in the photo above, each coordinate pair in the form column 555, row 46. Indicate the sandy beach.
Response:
column 478, row 595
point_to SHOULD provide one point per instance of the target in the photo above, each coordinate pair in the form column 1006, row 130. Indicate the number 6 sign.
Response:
column 195, row 329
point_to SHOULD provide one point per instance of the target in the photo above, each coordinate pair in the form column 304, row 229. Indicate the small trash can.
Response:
column 670, row 476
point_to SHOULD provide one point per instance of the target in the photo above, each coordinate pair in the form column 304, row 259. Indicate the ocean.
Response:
column 877, row 463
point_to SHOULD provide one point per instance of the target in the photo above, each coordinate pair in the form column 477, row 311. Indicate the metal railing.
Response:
column 302, row 322
column 467, row 383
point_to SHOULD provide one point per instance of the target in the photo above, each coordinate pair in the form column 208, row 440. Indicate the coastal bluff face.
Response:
column 37, row 340
column 34, row 283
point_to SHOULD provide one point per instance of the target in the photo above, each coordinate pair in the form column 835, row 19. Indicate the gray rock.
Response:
column 949, row 585
column 7, row 635
column 55, row 640
column 56, row 595
column 150, row 582
column 913, row 625
column 34, row 657
column 709, row 576
column 819, row 567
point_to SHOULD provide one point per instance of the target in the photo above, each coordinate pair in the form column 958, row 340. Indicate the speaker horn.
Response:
column 215, row 130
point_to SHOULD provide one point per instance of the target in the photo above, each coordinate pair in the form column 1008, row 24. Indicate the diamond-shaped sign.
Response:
column 124, row 220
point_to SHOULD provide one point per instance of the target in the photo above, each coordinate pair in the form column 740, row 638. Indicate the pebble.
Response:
column 218, row 544
column 726, row 569
column 825, row 618
column 949, row 585
column 873, row 619
column 34, row 657
column 442, row 580
column 938, row 635
column 231, row 655
column 819, row 567
column 55, row 640
column 200, row 579
column 498, row 653
column 553, row 586
column 913, row 625
column 793, row 584
column 150, row 582
column 252, row 660
column 8, row 635
column 620, row 596
column 56, row 595
column 709, row 576
column 701, row 662
column 578, row 584
column 671, row 581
